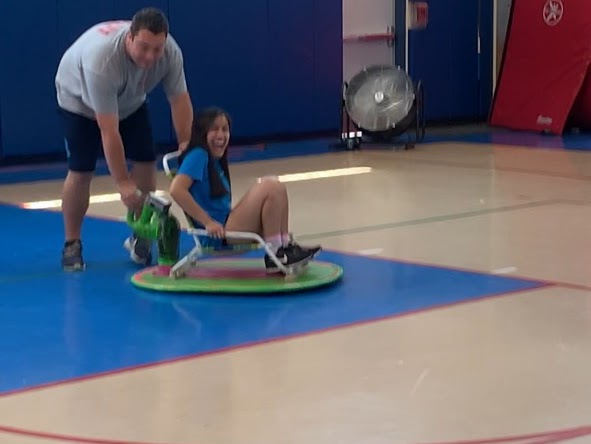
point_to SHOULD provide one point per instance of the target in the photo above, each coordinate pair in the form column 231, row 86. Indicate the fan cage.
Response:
column 410, row 120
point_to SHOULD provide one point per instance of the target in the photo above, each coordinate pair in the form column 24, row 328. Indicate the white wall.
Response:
column 502, row 11
column 362, row 17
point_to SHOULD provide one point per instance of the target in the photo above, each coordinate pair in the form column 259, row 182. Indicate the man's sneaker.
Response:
column 289, row 256
column 72, row 256
column 140, row 249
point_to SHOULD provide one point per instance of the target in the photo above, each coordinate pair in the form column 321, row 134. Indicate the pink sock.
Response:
column 285, row 239
column 275, row 242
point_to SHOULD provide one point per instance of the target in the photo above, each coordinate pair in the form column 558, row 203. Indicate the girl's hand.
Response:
column 215, row 229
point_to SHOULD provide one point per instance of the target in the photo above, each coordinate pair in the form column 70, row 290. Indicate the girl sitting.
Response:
column 202, row 188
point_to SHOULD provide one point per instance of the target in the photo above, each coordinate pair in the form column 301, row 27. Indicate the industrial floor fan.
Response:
column 379, row 105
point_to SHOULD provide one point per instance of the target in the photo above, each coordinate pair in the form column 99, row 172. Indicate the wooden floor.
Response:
column 483, row 365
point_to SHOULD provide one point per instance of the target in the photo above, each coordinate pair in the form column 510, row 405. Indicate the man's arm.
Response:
column 113, row 146
column 115, row 157
column 101, row 95
column 175, row 87
column 182, row 117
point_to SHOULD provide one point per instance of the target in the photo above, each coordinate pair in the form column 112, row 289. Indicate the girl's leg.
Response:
column 265, row 210
column 262, row 210
column 285, row 219
column 285, row 209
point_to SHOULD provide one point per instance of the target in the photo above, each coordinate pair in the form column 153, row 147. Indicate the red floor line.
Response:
column 533, row 438
column 542, row 282
column 571, row 286
column 68, row 438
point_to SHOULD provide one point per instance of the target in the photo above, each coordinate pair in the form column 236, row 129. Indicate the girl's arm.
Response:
column 179, row 190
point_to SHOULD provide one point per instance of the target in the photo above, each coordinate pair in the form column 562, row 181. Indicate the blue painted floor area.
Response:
column 55, row 326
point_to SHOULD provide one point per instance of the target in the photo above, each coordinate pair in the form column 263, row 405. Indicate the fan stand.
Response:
column 352, row 136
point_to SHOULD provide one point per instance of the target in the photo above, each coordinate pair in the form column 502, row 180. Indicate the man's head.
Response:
column 147, row 36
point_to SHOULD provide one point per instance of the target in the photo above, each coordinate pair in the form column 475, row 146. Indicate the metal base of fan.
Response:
column 356, row 142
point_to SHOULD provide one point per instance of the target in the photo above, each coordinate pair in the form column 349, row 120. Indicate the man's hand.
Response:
column 130, row 195
column 183, row 146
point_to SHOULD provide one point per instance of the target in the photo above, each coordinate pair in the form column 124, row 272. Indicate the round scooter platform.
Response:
column 236, row 276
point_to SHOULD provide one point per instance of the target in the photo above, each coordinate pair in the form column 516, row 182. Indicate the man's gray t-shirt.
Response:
column 95, row 74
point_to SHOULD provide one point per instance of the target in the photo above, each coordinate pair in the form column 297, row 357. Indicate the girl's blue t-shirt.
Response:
column 195, row 165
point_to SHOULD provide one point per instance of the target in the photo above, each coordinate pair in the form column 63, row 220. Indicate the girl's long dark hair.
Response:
column 202, row 123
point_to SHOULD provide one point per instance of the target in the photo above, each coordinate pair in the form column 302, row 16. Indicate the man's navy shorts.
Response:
column 83, row 139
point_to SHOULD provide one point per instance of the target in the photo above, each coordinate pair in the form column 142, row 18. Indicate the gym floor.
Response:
column 463, row 315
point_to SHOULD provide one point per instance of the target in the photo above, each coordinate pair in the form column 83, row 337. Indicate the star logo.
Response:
column 553, row 12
